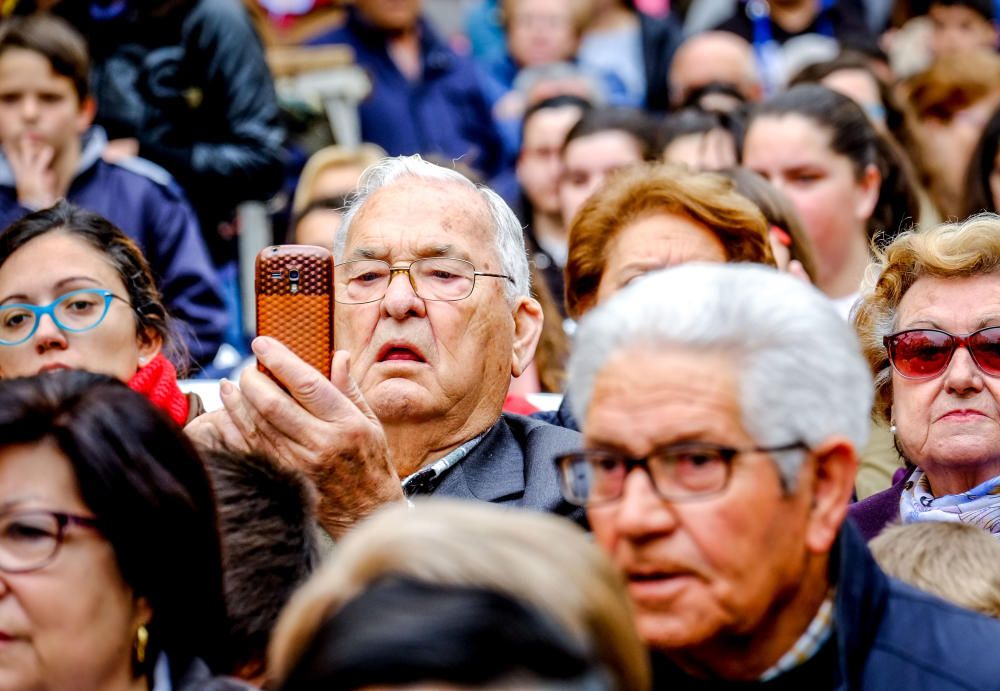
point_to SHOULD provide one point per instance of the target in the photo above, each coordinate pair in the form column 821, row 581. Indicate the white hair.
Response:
column 801, row 372
column 509, row 238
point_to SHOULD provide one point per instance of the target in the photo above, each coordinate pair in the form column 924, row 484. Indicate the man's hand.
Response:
column 31, row 162
column 323, row 428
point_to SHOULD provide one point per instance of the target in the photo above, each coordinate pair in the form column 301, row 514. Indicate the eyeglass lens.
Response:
column 435, row 278
column 28, row 540
column 925, row 353
column 677, row 474
column 76, row 311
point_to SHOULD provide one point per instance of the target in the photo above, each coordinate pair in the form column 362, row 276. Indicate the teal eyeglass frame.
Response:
column 50, row 309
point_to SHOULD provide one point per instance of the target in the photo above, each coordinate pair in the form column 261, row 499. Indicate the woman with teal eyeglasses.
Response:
column 77, row 293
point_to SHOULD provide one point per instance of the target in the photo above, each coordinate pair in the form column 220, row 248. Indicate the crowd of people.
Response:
column 750, row 250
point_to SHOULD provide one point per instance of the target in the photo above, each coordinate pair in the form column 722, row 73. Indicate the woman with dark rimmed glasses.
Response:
column 110, row 562
column 77, row 293
column 930, row 328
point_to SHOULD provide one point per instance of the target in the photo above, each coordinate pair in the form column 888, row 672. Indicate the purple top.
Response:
column 874, row 513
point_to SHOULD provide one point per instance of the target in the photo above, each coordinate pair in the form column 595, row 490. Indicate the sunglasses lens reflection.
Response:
column 921, row 354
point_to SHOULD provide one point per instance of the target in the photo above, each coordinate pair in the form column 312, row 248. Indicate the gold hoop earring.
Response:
column 141, row 640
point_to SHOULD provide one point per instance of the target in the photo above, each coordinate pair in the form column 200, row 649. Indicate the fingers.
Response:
column 252, row 426
column 215, row 429
column 340, row 375
column 273, row 421
column 307, row 386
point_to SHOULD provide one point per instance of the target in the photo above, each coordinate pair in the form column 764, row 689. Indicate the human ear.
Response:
column 834, row 467
column 869, row 185
column 85, row 118
column 528, row 320
column 150, row 344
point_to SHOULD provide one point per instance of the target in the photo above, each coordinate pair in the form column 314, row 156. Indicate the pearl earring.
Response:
column 142, row 361
column 892, row 428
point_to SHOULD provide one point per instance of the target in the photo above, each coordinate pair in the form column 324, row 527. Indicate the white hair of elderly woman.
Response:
column 802, row 375
column 509, row 237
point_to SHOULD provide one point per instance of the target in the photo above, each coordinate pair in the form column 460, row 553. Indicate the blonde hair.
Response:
column 645, row 190
column 545, row 561
column 952, row 83
column 331, row 157
column 956, row 561
column 581, row 12
column 950, row 250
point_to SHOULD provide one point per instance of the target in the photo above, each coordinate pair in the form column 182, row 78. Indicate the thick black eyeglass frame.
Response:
column 727, row 453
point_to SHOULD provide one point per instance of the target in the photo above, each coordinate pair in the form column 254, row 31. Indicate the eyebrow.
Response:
column 437, row 250
column 59, row 284
column 690, row 437
column 17, row 501
column 983, row 322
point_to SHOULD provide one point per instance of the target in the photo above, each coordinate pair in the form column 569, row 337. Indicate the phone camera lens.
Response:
column 293, row 274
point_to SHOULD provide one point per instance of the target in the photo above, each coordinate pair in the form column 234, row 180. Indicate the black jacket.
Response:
column 887, row 636
column 660, row 38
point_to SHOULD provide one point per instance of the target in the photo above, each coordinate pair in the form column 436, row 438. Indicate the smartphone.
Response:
column 294, row 289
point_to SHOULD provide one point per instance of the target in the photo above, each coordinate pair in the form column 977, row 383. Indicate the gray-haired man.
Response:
column 433, row 317
column 722, row 407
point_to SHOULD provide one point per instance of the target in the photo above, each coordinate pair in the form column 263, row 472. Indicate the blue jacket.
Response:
column 444, row 113
column 887, row 636
column 140, row 198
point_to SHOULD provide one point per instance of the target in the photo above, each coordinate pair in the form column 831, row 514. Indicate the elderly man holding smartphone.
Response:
column 432, row 319
column 722, row 407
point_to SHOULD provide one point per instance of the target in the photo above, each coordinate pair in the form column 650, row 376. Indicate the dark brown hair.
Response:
column 56, row 40
column 123, row 254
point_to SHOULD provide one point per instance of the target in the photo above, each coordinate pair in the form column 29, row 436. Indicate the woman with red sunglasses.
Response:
column 930, row 328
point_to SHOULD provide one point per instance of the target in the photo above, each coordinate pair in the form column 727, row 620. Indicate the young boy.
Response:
column 961, row 25
column 51, row 151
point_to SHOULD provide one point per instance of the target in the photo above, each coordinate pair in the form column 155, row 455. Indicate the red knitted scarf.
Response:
column 157, row 381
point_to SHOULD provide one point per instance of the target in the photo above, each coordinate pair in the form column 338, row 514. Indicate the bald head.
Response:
column 714, row 57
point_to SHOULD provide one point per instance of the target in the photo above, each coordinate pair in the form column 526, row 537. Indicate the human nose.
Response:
column 48, row 335
column 29, row 107
column 401, row 299
column 963, row 376
column 643, row 512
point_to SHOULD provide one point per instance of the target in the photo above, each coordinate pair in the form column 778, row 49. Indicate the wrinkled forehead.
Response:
column 408, row 216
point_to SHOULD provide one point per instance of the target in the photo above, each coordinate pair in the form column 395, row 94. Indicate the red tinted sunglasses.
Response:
column 925, row 353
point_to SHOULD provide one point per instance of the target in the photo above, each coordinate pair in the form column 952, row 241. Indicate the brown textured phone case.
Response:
column 294, row 286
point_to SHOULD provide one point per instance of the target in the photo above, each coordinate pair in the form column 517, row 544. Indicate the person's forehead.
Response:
column 412, row 211
column 961, row 303
column 597, row 150
column 550, row 125
column 646, row 396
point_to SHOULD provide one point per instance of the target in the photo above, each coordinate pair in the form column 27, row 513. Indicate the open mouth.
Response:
column 400, row 352
column 647, row 577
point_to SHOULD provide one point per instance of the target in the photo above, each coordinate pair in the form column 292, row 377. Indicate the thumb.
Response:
column 340, row 375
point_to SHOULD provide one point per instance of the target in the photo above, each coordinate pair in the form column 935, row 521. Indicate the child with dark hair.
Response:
column 961, row 25
column 52, row 151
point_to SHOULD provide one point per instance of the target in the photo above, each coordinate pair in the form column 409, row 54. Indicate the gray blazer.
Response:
column 514, row 465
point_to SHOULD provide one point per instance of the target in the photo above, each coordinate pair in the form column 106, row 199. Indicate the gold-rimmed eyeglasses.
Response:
column 432, row 278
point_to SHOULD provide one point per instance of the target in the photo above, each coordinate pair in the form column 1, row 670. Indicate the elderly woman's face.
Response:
column 72, row 622
column 655, row 242
column 952, row 421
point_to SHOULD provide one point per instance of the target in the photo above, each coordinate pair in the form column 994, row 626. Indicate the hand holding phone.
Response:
column 294, row 288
